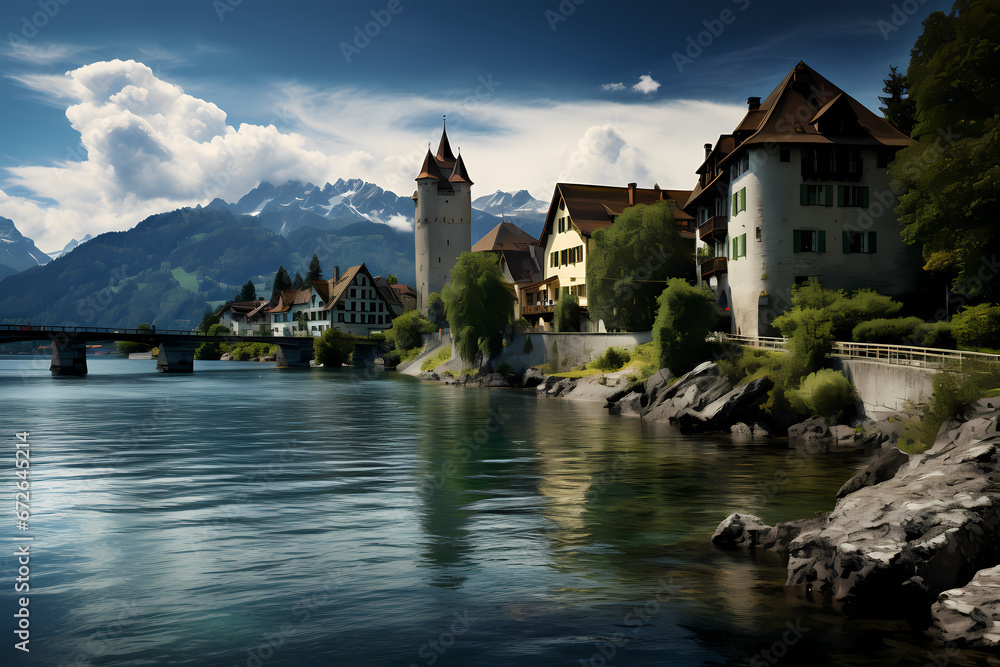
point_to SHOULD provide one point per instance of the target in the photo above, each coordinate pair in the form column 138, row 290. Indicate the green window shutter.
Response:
column 829, row 195
column 743, row 245
column 846, row 236
column 743, row 199
column 735, row 247
column 796, row 240
column 864, row 198
column 822, row 241
column 840, row 195
column 804, row 194
column 735, row 197
column 871, row 242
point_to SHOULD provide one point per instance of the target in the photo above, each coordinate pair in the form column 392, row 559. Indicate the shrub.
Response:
column 505, row 370
column 740, row 364
column 333, row 348
column 894, row 331
column 685, row 315
column 566, row 316
column 432, row 362
column 406, row 332
column 129, row 347
column 977, row 326
column 612, row 359
column 934, row 334
column 212, row 351
column 826, row 393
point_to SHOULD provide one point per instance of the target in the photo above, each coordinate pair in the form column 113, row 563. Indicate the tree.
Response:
column 899, row 108
column 211, row 317
column 131, row 346
column 248, row 293
column 212, row 351
column 407, row 330
column 297, row 283
column 630, row 262
column 281, row 282
column 333, row 348
column 478, row 305
column 392, row 280
column 566, row 316
column 435, row 310
column 684, row 317
column 950, row 176
column 314, row 272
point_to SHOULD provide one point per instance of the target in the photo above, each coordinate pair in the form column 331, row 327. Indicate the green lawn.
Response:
column 188, row 281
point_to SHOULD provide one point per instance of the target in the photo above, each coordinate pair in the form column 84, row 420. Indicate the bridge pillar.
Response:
column 176, row 358
column 296, row 353
column 69, row 359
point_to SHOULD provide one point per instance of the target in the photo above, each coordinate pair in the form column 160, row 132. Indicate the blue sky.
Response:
column 536, row 92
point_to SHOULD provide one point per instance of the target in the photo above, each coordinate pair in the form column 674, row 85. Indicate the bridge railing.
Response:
column 896, row 355
column 35, row 328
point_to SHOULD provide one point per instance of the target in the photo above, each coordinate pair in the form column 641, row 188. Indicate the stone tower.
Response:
column 442, row 225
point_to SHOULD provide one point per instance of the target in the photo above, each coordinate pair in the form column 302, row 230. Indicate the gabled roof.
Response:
column 593, row 207
column 403, row 291
column 522, row 264
column 289, row 298
column 505, row 235
column 386, row 291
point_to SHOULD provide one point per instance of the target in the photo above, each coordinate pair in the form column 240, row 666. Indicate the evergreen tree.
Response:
column 281, row 282
column 899, row 109
column 314, row 272
column 248, row 293
column 297, row 283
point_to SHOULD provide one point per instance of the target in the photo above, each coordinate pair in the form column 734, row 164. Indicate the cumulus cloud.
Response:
column 603, row 156
column 647, row 85
column 613, row 87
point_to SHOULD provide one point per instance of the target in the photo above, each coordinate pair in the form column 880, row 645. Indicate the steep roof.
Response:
column 593, row 207
column 444, row 153
column 430, row 168
column 289, row 298
column 444, row 166
column 403, row 291
column 505, row 235
column 522, row 264
column 460, row 174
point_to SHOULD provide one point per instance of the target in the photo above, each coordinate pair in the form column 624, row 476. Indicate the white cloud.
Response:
column 41, row 54
column 400, row 222
column 150, row 147
column 614, row 87
column 647, row 85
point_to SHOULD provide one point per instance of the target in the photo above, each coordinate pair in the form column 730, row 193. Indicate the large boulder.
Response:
column 970, row 615
column 532, row 378
column 629, row 405
column 883, row 467
column 739, row 404
column 692, row 391
column 812, row 428
column 749, row 533
column 656, row 384
column 925, row 530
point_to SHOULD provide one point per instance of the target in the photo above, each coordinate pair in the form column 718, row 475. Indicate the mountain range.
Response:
column 172, row 266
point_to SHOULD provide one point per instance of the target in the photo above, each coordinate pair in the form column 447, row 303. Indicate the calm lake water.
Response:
column 246, row 515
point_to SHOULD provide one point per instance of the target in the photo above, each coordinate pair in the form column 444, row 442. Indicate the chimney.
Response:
column 631, row 194
column 336, row 273
column 708, row 150
column 753, row 103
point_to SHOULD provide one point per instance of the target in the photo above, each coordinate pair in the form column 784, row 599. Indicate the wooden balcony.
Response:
column 713, row 229
column 714, row 266
column 536, row 310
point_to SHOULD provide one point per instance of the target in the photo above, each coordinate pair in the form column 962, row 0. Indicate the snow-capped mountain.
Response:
column 520, row 204
column 17, row 252
column 69, row 247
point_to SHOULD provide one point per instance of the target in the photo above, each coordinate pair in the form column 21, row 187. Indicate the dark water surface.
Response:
column 246, row 515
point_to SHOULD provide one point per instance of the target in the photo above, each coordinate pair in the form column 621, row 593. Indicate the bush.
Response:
column 684, row 317
column 441, row 356
column 212, row 351
column 934, row 334
column 977, row 326
column 826, row 393
column 129, row 347
column 333, row 348
column 896, row 331
column 566, row 316
column 506, row 370
column 406, row 332
column 612, row 359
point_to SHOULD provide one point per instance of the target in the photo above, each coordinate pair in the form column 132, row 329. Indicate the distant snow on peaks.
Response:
column 515, row 204
column 17, row 252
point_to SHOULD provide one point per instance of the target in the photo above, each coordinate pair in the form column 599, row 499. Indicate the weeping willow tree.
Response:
column 477, row 303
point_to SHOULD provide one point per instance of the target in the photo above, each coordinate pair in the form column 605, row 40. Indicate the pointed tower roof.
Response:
column 460, row 174
column 430, row 168
column 444, row 153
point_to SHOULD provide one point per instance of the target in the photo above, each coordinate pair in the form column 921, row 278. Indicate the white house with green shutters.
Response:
column 800, row 189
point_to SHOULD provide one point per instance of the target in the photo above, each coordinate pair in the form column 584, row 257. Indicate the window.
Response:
column 565, row 290
column 816, row 195
column 381, row 307
column 859, row 242
column 827, row 163
column 340, row 317
column 739, row 201
column 740, row 246
column 563, row 257
column 852, row 195
column 741, row 166
column 785, row 155
column 808, row 240
column 757, row 233
column 554, row 259
column 882, row 158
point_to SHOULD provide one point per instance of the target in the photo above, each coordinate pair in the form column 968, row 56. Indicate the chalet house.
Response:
column 352, row 303
column 799, row 189
column 576, row 212
column 518, row 253
column 406, row 295
column 245, row 317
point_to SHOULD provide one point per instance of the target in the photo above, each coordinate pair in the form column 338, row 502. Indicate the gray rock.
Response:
column 841, row 433
column 742, row 532
column 741, row 430
column 760, row 431
column 883, row 467
column 970, row 615
column 629, row 405
column 547, row 383
column 656, row 384
column 494, row 380
column 737, row 404
column 562, row 385
column 532, row 378
column 814, row 427
column 693, row 391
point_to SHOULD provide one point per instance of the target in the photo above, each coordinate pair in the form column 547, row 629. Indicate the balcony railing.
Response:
column 714, row 228
column 714, row 266
column 537, row 310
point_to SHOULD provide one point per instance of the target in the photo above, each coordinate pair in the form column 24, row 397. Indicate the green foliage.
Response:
column 478, row 305
column 553, row 365
column 684, row 318
column 950, row 177
column 646, row 361
column 298, row 282
column 934, row 334
column 612, row 359
column 739, row 364
column 314, row 272
column 212, row 351
column 435, row 360
column 281, row 282
column 249, row 351
column 132, row 347
column 506, row 370
column 435, row 310
column 899, row 109
column 566, row 315
column 628, row 263
column 210, row 318
column 392, row 280
column 248, row 293
column 977, row 326
column 826, row 393
column 406, row 332
column 333, row 348
column 896, row 331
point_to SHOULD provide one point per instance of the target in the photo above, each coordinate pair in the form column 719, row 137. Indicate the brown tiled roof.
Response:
column 404, row 290
column 444, row 153
column 460, row 174
column 386, row 291
column 289, row 298
column 505, row 235
column 593, row 207
column 522, row 265
column 430, row 168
